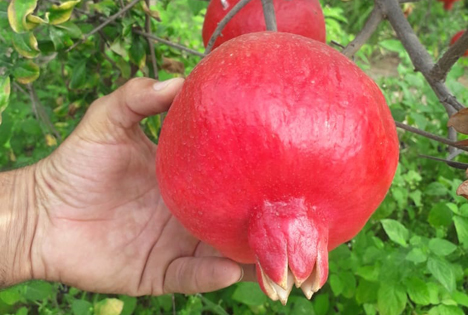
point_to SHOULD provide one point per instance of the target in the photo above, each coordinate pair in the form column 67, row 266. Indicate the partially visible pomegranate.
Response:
column 448, row 4
column 277, row 149
column 457, row 37
column 302, row 17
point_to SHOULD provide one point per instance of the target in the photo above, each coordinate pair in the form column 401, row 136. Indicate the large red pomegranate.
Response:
column 457, row 37
column 276, row 158
column 302, row 17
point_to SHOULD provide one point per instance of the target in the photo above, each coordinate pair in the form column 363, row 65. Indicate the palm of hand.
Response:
column 107, row 221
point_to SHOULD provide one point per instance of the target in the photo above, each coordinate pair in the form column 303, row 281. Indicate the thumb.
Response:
column 191, row 275
column 137, row 99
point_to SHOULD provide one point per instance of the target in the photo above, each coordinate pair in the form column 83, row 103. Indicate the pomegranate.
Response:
column 457, row 37
column 276, row 158
column 448, row 4
column 302, row 17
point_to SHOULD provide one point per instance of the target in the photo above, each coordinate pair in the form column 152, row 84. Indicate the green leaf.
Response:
column 392, row 45
column 336, row 284
column 26, row 45
column 441, row 247
column 418, row 291
column 137, row 52
column 461, row 298
column 129, row 304
column 38, row 290
column 71, row 29
column 416, row 255
column 78, row 77
column 440, row 215
column 446, row 310
column 5, row 90
column 60, row 38
column 461, row 225
column 10, row 296
column 61, row 13
column 108, row 307
column 349, row 284
column 463, row 210
column 22, row 311
column 249, row 293
column 18, row 11
column 81, row 307
column 433, row 292
column 367, row 292
column 26, row 72
column 105, row 7
column 442, row 271
column 302, row 306
column 396, row 231
column 391, row 299
column 370, row 273
column 436, row 189
column 321, row 304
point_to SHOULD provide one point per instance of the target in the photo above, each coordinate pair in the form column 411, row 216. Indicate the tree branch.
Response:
column 430, row 135
column 151, row 43
column 363, row 36
column 269, row 13
column 418, row 54
column 109, row 20
column 457, row 165
column 169, row 43
column 443, row 66
column 223, row 23
column 40, row 113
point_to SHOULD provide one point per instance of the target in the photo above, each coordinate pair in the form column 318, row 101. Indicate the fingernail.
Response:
column 161, row 85
column 242, row 274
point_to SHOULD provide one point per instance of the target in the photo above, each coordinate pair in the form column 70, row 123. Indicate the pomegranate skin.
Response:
column 457, row 37
column 302, row 17
column 276, row 158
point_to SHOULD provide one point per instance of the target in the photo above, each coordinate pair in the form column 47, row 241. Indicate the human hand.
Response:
column 102, row 224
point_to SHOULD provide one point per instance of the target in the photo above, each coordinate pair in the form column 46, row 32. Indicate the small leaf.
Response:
column 440, row 215
column 321, row 304
column 50, row 140
column 461, row 225
column 445, row 310
column 367, row 292
column 441, row 247
column 26, row 72
column 418, row 291
column 249, row 293
column 109, row 307
column 459, row 121
column 336, row 284
column 70, row 29
column 38, row 290
column 61, row 13
column 5, row 90
column 461, row 298
column 33, row 21
column 137, row 52
column 442, row 271
column 10, row 296
column 18, row 11
column 396, row 231
column 154, row 14
column 78, row 77
column 391, row 299
column 416, row 255
column 26, row 45
column 81, row 307
column 60, row 38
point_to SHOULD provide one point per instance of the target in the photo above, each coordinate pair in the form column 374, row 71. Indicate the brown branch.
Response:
column 430, row 135
column 270, row 17
column 109, row 20
column 151, row 43
column 443, row 66
column 169, row 43
column 369, row 28
column 223, row 23
column 457, row 165
column 421, row 59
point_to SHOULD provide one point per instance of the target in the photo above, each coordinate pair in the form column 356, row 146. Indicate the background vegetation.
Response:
column 411, row 257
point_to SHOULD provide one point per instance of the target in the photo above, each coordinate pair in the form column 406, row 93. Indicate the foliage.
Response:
column 411, row 257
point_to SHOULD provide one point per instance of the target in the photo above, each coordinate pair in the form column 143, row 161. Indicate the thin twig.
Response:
column 421, row 59
column 363, row 36
column 40, row 113
column 458, row 165
column 430, row 135
column 169, row 43
column 109, row 20
column 269, row 13
column 151, row 43
column 223, row 23
column 443, row 66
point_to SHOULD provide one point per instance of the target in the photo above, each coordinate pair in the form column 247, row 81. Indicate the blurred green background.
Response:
column 411, row 257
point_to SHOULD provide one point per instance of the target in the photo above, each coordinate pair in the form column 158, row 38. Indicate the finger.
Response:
column 191, row 275
column 204, row 249
column 140, row 98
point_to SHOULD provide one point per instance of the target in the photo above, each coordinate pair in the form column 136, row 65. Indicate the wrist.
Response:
column 19, row 214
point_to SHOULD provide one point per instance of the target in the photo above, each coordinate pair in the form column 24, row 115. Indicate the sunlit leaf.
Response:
column 153, row 13
column 109, row 307
column 61, row 13
column 4, row 94
column 26, row 45
column 71, row 29
column 18, row 11
column 418, row 291
column 60, row 38
column 396, row 231
column 33, row 21
column 443, row 272
column 391, row 299
column 26, row 72
column 461, row 225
